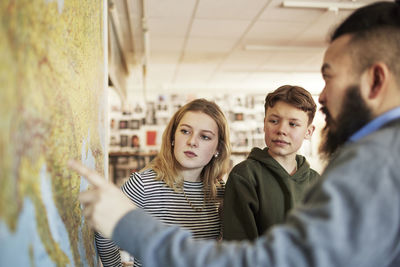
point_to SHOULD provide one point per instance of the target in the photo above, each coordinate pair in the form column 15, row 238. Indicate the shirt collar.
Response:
column 375, row 124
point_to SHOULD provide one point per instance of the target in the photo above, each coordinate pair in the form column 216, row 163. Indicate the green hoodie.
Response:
column 259, row 193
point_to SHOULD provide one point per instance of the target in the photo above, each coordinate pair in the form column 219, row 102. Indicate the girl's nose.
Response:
column 192, row 141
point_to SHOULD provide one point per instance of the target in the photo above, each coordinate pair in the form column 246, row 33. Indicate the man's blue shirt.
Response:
column 376, row 123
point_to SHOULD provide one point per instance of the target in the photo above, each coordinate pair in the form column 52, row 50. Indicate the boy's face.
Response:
column 285, row 128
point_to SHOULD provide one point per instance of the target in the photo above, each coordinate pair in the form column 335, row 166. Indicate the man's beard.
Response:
column 352, row 117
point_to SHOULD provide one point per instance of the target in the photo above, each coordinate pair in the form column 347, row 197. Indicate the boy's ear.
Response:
column 309, row 132
column 265, row 120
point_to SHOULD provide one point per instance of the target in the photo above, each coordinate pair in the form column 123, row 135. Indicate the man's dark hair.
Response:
column 371, row 17
column 375, row 35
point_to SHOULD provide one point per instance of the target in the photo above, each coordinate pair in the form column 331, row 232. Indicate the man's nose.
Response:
column 321, row 98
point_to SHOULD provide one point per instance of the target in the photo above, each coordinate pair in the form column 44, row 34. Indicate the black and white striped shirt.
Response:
column 170, row 207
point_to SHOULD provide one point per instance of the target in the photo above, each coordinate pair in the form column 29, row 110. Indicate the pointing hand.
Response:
column 104, row 204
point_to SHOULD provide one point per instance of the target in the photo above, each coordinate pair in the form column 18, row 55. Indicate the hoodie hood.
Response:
column 262, row 156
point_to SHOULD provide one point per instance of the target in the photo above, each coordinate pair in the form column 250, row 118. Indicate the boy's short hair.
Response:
column 296, row 96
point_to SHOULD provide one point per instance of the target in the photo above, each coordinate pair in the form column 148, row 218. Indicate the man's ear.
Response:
column 309, row 132
column 378, row 77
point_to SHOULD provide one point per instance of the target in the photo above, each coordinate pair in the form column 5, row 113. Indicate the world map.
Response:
column 53, row 102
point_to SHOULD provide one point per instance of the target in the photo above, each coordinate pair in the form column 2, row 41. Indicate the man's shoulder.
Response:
column 386, row 140
column 372, row 152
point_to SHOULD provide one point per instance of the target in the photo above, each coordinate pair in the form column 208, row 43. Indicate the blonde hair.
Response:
column 167, row 167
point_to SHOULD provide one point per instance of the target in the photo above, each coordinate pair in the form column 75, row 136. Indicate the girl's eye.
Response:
column 273, row 121
column 205, row 137
column 184, row 131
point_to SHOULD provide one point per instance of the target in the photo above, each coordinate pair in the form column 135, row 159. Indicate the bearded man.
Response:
column 352, row 216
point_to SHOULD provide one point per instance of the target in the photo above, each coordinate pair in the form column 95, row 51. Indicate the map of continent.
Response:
column 53, row 102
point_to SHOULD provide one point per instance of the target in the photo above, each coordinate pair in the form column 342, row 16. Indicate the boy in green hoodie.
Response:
column 263, row 188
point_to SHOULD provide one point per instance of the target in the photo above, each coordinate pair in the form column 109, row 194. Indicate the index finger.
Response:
column 91, row 176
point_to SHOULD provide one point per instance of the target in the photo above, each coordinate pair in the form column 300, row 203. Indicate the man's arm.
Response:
column 350, row 219
column 163, row 246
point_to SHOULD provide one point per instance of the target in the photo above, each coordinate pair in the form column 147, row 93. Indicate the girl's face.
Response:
column 195, row 142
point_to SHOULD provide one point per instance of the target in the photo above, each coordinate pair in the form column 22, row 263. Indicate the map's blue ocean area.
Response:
column 26, row 236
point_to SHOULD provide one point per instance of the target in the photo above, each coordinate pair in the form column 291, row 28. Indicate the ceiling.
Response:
column 231, row 45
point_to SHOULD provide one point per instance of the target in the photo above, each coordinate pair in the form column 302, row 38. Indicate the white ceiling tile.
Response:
column 273, row 33
column 165, row 44
column 229, row 77
column 288, row 61
column 245, row 60
column 229, row 9
column 202, row 58
column 161, row 71
column 208, row 49
column 160, row 80
column 195, row 68
column 218, row 28
column 169, row 8
column 278, row 66
column 164, row 58
column 194, row 73
column 272, row 80
column 168, row 27
column 191, row 77
column 210, row 45
column 320, row 30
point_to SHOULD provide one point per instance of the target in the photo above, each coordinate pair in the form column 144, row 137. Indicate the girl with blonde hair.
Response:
column 183, row 185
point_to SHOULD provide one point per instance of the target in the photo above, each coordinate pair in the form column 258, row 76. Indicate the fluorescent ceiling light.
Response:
column 331, row 6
